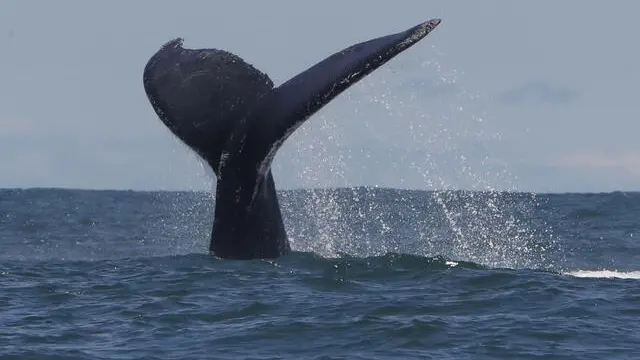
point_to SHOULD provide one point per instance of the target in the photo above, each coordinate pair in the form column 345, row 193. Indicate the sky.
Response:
column 531, row 96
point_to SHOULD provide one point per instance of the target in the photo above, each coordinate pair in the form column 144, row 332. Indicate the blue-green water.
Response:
column 377, row 273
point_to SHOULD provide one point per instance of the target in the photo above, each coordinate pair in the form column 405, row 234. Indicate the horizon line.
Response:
column 160, row 190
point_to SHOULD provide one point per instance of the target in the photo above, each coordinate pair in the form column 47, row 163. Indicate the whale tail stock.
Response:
column 231, row 114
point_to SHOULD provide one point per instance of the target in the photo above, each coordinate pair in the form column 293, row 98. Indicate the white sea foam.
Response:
column 605, row 274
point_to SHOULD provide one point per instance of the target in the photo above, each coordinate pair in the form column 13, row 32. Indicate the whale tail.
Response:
column 231, row 114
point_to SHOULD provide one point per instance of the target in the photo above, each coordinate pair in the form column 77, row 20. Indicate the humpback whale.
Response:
column 233, row 116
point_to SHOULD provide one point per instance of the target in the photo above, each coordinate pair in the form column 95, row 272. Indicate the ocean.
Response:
column 376, row 274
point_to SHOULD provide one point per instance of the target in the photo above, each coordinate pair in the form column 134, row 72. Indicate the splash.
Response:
column 324, row 225
column 185, row 222
column 443, row 130
column 488, row 226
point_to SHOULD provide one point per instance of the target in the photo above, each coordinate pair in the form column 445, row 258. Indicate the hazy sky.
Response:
column 506, row 94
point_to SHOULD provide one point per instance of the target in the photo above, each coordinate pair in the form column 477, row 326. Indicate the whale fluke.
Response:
column 231, row 114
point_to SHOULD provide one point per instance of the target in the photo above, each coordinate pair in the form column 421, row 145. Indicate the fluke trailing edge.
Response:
column 231, row 114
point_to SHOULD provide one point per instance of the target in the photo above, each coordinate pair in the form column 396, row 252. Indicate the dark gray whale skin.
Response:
column 231, row 114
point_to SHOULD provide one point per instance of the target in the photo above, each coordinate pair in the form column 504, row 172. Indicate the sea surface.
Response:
column 376, row 274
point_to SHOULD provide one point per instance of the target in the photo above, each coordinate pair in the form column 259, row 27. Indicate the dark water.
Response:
column 377, row 273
